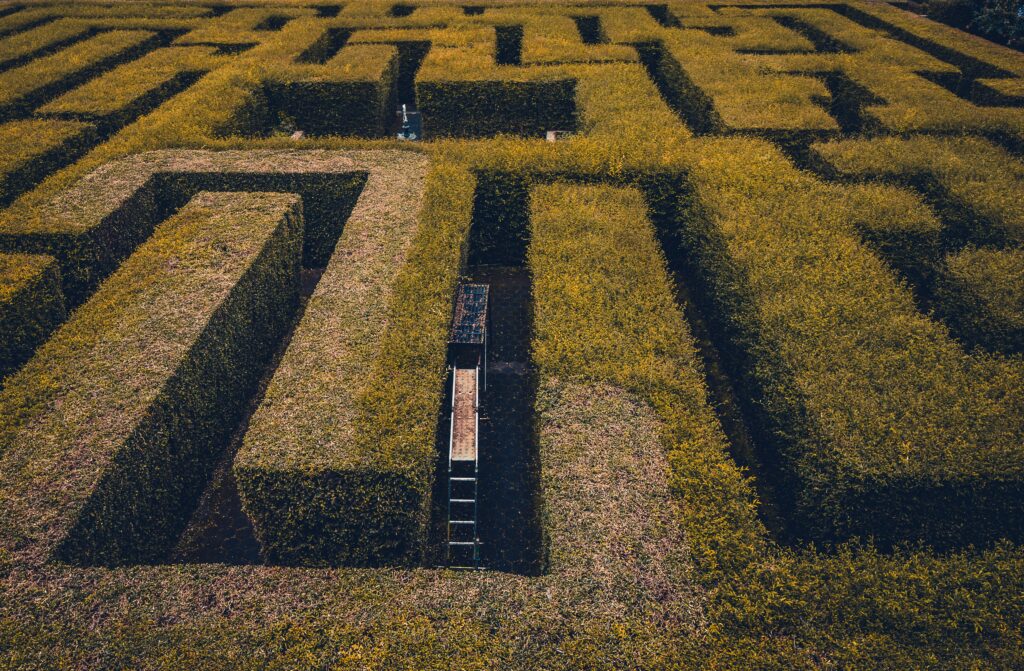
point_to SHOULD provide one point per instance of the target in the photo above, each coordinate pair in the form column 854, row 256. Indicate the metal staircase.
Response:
column 463, row 471
column 467, row 351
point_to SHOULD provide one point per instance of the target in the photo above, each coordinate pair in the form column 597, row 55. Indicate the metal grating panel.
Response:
column 470, row 319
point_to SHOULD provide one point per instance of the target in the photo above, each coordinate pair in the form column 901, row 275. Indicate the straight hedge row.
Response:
column 35, row 148
column 316, row 491
column 133, row 88
column 610, row 335
column 885, row 426
column 100, row 220
column 155, row 369
column 23, row 88
column 31, row 306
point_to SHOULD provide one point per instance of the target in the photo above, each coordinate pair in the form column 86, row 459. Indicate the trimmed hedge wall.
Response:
column 23, row 88
column 323, row 106
column 327, row 199
column 40, row 147
column 886, row 427
column 156, row 369
column 134, row 88
column 480, row 109
column 316, row 491
column 980, row 293
column 605, row 312
column 31, row 306
column 971, row 171
column 766, row 606
column 352, row 93
column 25, row 45
column 94, row 224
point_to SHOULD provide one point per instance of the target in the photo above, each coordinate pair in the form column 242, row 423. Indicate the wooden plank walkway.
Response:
column 464, row 415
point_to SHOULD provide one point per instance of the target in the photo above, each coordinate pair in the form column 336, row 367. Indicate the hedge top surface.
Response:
column 913, row 403
column 28, row 138
column 300, row 426
column 85, row 204
column 893, row 393
column 79, row 398
column 111, row 92
column 18, row 270
column 992, row 279
column 21, row 81
column 973, row 169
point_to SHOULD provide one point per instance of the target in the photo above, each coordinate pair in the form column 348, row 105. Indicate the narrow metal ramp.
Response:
column 463, row 471
column 467, row 349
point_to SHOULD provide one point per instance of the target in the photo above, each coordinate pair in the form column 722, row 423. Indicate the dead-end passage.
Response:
column 683, row 97
column 508, row 460
column 410, row 57
column 217, row 530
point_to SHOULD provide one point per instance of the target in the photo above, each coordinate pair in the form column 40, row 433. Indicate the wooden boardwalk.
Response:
column 464, row 425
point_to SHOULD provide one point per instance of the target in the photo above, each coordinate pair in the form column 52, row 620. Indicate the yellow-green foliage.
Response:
column 977, row 173
column 24, row 44
column 304, row 463
column 126, row 84
column 398, row 411
column 26, row 140
column 664, row 563
column 33, row 146
column 239, row 26
column 154, row 367
column 857, row 385
column 981, row 292
column 31, row 306
column 744, row 97
column 19, row 83
column 605, row 311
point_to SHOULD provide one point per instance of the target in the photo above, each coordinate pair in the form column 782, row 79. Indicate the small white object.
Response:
column 298, row 135
column 556, row 135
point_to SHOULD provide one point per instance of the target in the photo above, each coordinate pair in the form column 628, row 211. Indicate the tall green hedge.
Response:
column 483, row 108
column 351, row 94
column 31, row 306
column 884, row 425
column 38, row 147
column 980, row 293
column 90, row 228
column 155, row 370
column 318, row 489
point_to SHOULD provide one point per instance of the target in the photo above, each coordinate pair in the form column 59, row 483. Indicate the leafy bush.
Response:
column 998, row 20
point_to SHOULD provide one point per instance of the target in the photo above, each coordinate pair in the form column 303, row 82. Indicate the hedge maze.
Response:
column 757, row 381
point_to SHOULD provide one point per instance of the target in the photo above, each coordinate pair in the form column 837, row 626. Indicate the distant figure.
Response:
column 412, row 125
